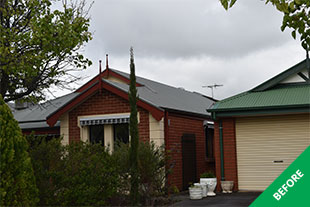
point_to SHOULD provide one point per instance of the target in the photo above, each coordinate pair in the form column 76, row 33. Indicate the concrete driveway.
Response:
column 221, row 200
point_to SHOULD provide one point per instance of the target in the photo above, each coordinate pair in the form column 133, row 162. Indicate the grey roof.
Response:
column 156, row 94
column 168, row 97
column 34, row 116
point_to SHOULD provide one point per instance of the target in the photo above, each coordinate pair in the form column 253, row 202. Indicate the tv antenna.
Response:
column 212, row 87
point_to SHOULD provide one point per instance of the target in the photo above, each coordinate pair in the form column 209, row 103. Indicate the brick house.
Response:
column 259, row 133
column 99, row 111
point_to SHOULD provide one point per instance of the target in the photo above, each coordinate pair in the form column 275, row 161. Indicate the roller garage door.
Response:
column 266, row 146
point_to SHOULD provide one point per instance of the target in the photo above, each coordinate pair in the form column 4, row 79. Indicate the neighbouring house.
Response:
column 99, row 112
column 259, row 133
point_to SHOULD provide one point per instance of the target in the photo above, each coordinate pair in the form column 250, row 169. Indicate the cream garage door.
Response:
column 266, row 146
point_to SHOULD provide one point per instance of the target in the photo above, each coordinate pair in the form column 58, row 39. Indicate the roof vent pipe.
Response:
column 107, row 61
column 99, row 76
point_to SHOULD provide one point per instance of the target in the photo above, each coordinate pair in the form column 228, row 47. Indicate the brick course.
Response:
column 105, row 103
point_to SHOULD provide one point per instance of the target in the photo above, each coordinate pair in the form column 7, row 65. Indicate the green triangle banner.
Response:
column 291, row 188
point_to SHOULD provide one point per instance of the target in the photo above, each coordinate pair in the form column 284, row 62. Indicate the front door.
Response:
column 189, row 159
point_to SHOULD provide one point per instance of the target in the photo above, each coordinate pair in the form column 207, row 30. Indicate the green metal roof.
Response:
column 281, row 96
column 271, row 97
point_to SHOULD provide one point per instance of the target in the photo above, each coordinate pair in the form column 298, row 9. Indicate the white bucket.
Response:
column 195, row 192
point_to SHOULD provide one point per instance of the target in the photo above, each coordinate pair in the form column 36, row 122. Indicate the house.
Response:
column 259, row 133
column 99, row 111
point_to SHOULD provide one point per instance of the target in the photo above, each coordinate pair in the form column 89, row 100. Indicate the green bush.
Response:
column 90, row 175
column 48, row 165
column 208, row 174
column 152, row 171
column 84, row 174
column 17, row 185
column 79, row 174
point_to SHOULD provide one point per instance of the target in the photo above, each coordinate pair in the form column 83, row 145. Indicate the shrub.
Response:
column 152, row 171
column 17, row 185
column 79, row 174
column 207, row 175
column 89, row 177
column 48, row 165
column 84, row 174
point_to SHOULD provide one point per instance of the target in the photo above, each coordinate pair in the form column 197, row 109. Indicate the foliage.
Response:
column 152, row 170
column 40, row 46
column 17, row 185
column 79, row 174
column 207, row 175
column 90, row 176
column 48, row 166
column 296, row 15
column 174, row 189
column 134, row 134
column 83, row 174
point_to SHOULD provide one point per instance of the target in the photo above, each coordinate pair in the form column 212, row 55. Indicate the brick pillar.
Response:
column 229, row 151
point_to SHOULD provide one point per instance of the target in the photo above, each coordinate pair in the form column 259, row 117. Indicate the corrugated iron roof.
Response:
column 37, row 113
column 154, row 93
column 168, row 97
column 280, row 96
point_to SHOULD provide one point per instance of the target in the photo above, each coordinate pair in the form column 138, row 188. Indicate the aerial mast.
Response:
column 212, row 87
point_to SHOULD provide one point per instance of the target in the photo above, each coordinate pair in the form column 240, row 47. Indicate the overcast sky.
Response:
column 192, row 43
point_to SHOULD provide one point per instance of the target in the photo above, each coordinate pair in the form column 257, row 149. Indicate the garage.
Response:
column 260, row 132
column 267, row 145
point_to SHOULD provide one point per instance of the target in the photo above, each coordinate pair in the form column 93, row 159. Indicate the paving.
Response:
column 220, row 200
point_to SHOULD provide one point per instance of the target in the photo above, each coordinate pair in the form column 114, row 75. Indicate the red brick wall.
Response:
column 105, row 103
column 229, row 149
column 178, row 126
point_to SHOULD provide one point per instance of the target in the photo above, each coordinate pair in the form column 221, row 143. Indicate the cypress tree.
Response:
column 17, row 184
column 134, row 134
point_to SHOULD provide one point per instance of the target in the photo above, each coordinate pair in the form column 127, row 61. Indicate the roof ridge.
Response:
column 280, row 77
column 146, row 79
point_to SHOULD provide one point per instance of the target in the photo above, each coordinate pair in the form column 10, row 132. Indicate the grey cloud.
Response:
column 184, row 28
column 188, row 44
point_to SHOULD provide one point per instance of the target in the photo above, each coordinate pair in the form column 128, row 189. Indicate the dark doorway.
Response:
column 189, row 159
column 209, row 133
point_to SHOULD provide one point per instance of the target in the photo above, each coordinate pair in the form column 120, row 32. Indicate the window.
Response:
column 209, row 133
column 121, row 133
column 96, row 134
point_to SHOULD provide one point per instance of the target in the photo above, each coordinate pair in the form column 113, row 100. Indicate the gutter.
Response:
column 259, row 112
column 259, row 108
column 186, row 113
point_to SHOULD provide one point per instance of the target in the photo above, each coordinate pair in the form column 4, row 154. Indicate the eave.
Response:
column 258, row 111
column 189, row 114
